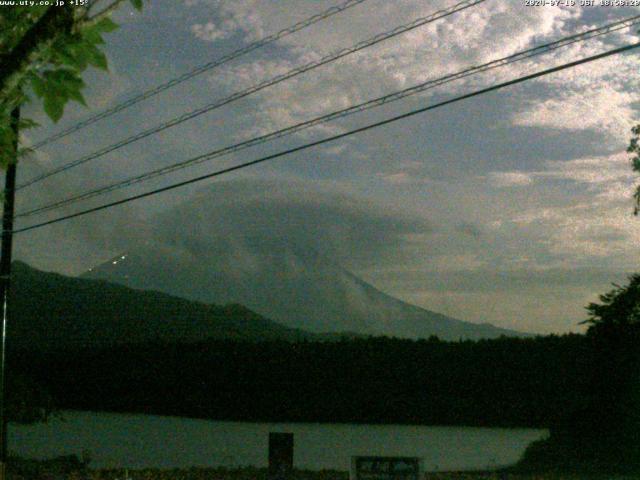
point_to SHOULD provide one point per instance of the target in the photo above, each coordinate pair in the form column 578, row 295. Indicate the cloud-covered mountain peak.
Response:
column 282, row 254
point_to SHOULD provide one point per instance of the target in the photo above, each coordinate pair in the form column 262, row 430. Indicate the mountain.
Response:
column 55, row 311
column 297, row 291
column 279, row 251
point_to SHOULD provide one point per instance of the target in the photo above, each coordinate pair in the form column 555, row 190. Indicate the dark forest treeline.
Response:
column 501, row 382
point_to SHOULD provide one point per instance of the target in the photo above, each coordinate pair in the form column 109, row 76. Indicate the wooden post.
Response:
column 280, row 456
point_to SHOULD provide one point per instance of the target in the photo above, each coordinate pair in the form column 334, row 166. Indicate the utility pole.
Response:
column 5, row 280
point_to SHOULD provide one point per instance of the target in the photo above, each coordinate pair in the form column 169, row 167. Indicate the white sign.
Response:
column 386, row 468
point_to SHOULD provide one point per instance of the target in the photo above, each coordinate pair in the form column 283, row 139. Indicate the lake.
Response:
column 137, row 441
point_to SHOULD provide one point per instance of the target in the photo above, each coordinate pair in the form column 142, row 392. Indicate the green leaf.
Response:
column 97, row 58
column 137, row 4
column 66, row 57
column 106, row 25
column 63, row 81
column 54, row 106
column 74, row 55
column 92, row 35
column 39, row 86
column 77, row 96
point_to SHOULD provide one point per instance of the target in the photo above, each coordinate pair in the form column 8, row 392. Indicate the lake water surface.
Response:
column 136, row 441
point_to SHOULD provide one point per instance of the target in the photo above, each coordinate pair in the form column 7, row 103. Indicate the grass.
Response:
column 72, row 468
column 262, row 474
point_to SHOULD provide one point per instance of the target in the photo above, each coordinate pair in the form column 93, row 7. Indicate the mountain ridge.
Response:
column 51, row 310
column 306, row 291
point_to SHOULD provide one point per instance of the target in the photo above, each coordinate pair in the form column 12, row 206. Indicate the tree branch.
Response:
column 55, row 21
column 102, row 13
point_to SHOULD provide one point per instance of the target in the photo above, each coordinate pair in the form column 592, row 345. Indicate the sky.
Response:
column 513, row 208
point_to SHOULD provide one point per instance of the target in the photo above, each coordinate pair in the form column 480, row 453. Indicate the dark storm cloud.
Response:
column 266, row 216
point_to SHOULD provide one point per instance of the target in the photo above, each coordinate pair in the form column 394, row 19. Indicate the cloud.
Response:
column 399, row 178
column 425, row 53
column 210, row 32
column 229, row 18
column 599, row 172
column 510, row 179
column 544, row 301
column 600, row 107
column 261, row 217
column 474, row 276
column 601, row 225
column 610, row 177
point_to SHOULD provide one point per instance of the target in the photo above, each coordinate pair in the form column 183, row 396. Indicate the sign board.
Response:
column 280, row 455
column 386, row 468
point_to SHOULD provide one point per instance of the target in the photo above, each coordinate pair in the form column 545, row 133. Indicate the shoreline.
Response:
column 73, row 468
column 251, row 420
column 250, row 473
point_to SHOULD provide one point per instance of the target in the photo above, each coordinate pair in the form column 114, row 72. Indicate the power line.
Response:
column 256, row 88
column 201, row 69
column 334, row 137
column 518, row 56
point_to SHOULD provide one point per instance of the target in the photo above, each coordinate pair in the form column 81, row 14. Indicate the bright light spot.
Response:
column 122, row 257
column 115, row 261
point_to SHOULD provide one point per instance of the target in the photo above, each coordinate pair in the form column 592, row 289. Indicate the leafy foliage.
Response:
column 70, row 56
column 49, row 65
column 63, row 467
column 634, row 148
column 53, row 69
column 601, row 432
column 15, row 22
column 620, row 307
column 27, row 402
column 70, row 467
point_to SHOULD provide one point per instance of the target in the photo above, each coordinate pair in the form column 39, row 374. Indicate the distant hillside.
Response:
column 265, row 246
column 51, row 310
column 295, row 288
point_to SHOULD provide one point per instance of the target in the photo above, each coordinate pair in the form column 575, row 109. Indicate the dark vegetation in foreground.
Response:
column 72, row 468
column 504, row 382
column 585, row 388
column 602, row 431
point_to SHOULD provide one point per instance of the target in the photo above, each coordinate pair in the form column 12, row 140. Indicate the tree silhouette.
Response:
column 614, row 329
column 634, row 148
column 602, row 432
column 44, row 49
